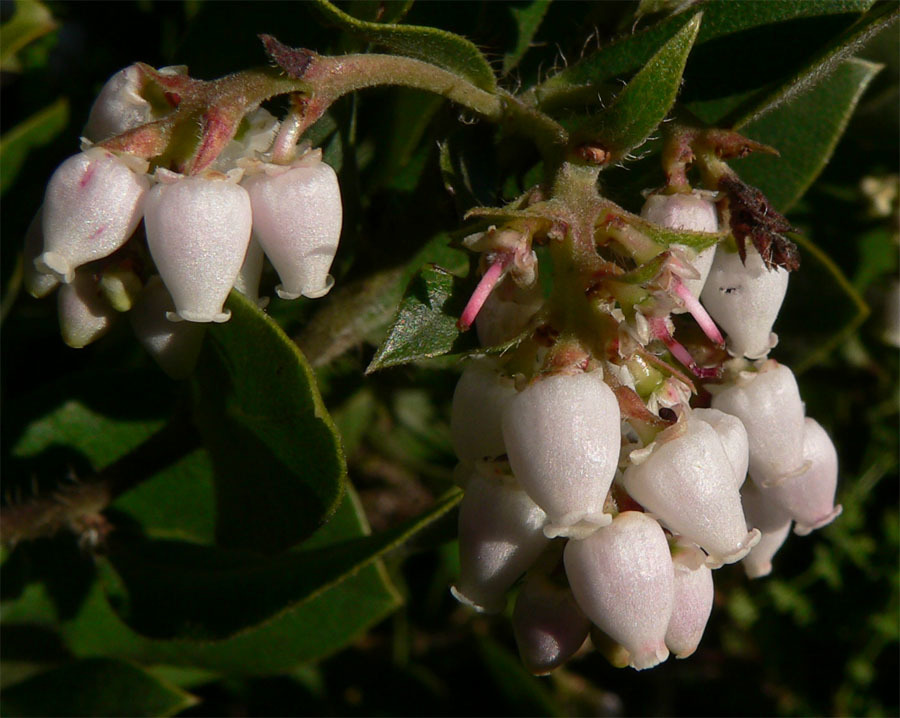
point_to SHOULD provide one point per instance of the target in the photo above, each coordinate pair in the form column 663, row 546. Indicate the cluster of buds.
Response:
column 595, row 468
column 206, row 231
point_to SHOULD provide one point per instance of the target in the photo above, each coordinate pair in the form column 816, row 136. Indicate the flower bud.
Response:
column 809, row 495
column 733, row 435
column 693, row 600
column 773, row 521
column 686, row 479
column 84, row 314
column 174, row 346
column 198, row 229
column 548, row 624
column 475, row 416
column 37, row 284
column 623, row 579
column 92, row 205
column 768, row 404
column 562, row 436
column 118, row 107
column 297, row 215
column 500, row 537
column 744, row 298
column 694, row 212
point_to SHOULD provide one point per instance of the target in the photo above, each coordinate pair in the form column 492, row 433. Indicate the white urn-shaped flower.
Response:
column 773, row 522
column 297, row 216
column 548, row 625
column 479, row 400
column 686, row 479
column 84, row 314
column 808, row 497
column 118, row 107
column 38, row 284
column 693, row 599
column 694, row 212
column 744, row 298
column 623, row 579
column 768, row 404
column 198, row 229
column 562, row 436
column 733, row 435
column 174, row 346
column 500, row 537
column 92, row 205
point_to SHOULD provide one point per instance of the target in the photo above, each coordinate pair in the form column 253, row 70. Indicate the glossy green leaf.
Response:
column 527, row 20
column 37, row 130
column 173, row 589
column 805, row 130
column 825, row 61
column 439, row 47
column 30, row 21
column 425, row 325
column 95, row 687
column 279, row 469
column 750, row 23
column 644, row 103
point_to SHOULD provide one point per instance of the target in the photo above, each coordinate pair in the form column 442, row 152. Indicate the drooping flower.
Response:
column 500, row 537
column 198, row 229
column 686, row 479
column 548, row 625
column 92, row 205
column 297, row 217
column 773, row 521
column 745, row 298
column 623, row 579
column 562, row 436
column 693, row 599
column 84, row 314
column 476, row 414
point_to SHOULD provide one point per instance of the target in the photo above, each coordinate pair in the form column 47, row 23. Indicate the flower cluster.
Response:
column 206, row 232
column 600, row 472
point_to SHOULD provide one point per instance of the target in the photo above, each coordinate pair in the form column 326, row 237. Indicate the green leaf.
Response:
column 425, row 325
column 527, row 20
column 644, row 103
column 30, row 21
column 279, row 469
column 171, row 589
column 95, row 687
column 751, row 21
column 805, row 130
column 37, row 130
column 439, row 47
column 825, row 61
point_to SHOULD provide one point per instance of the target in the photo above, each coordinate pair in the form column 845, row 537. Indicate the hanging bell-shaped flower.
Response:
column 175, row 346
column 198, row 229
column 500, row 537
column 686, row 479
column 733, row 435
column 773, row 521
column 481, row 395
column 693, row 599
column 37, row 284
column 809, row 496
column 768, row 404
column 84, row 314
column 694, row 212
column 297, row 216
column 744, row 298
column 92, row 205
column 562, row 436
column 623, row 579
column 548, row 624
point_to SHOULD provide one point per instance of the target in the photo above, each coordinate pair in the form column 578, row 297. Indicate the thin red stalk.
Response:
column 698, row 312
column 481, row 293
